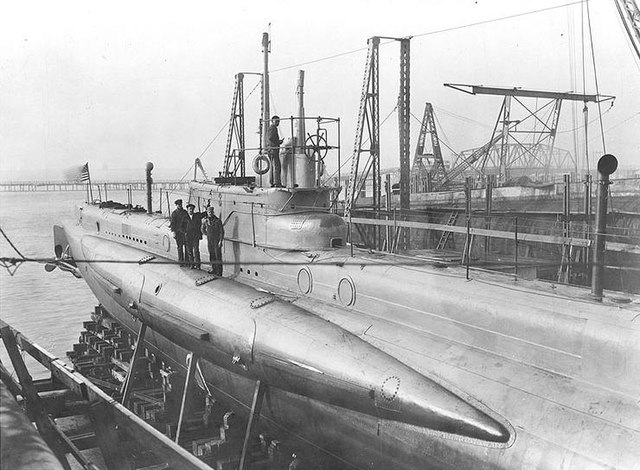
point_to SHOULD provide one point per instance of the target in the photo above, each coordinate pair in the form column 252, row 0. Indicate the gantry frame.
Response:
column 498, row 152
column 369, row 121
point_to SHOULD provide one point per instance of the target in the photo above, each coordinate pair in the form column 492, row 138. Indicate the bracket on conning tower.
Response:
column 512, row 150
column 369, row 119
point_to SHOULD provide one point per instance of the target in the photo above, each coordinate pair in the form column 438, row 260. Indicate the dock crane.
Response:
column 630, row 16
column 427, row 165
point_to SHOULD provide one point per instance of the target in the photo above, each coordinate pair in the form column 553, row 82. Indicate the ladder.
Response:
column 444, row 238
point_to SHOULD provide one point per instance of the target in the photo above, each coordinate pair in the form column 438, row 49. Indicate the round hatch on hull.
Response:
column 347, row 292
column 305, row 281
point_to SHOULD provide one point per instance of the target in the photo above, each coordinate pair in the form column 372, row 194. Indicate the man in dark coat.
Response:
column 273, row 150
column 214, row 230
column 178, row 227
column 193, row 236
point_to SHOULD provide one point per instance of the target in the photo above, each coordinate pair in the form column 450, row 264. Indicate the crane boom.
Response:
column 630, row 15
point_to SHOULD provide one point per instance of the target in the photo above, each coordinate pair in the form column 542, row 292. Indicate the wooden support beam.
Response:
column 136, row 428
column 34, row 404
column 191, row 368
column 73, row 450
column 127, row 386
column 256, row 406
column 9, row 381
column 107, row 436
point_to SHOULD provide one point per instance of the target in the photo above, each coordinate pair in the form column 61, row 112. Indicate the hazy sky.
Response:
column 121, row 83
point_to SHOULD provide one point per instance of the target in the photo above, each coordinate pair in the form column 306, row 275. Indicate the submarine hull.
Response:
column 555, row 372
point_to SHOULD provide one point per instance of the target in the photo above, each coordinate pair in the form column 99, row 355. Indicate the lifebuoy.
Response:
column 261, row 164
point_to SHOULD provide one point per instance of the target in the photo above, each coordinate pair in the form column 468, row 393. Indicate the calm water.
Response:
column 48, row 308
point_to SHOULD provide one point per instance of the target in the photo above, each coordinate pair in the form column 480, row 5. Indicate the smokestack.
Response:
column 607, row 165
column 149, row 167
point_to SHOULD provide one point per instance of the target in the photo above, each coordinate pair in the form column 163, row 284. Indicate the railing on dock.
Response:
column 541, row 245
column 29, row 186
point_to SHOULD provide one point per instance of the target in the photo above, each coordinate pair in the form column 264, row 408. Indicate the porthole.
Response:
column 305, row 281
column 347, row 292
column 166, row 243
column 157, row 289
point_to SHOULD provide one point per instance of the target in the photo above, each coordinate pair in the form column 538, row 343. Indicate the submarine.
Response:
column 370, row 359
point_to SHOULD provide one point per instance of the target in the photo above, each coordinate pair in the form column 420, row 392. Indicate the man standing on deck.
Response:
column 178, row 227
column 193, row 236
column 214, row 230
column 273, row 150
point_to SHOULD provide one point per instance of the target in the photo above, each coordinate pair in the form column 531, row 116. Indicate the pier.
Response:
column 138, row 185
column 86, row 416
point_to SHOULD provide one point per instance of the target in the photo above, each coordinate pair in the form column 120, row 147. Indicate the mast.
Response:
column 265, row 91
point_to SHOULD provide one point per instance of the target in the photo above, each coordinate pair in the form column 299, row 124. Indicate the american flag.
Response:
column 78, row 173
column 84, row 173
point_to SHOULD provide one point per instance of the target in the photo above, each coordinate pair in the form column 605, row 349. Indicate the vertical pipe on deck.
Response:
column 606, row 166
column 148, row 170
column 515, row 251
column 586, row 259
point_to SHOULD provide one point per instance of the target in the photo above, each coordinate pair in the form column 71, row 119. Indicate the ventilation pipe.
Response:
column 607, row 165
column 304, row 167
column 149, row 167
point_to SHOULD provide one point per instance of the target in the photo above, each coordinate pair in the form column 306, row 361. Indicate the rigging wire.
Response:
column 595, row 76
column 584, row 86
column 429, row 33
column 365, row 142
column 462, row 118
column 439, row 139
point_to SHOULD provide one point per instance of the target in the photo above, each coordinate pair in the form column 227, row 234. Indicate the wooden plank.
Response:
column 73, row 449
column 9, row 381
column 137, row 352
column 136, row 428
column 530, row 237
column 108, row 438
column 256, row 406
column 193, row 360
column 34, row 404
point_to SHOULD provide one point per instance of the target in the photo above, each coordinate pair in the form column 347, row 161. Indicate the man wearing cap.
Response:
column 178, row 227
column 193, row 236
column 214, row 230
column 273, row 150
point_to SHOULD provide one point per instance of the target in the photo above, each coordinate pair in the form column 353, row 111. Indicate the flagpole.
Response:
column 89, row 177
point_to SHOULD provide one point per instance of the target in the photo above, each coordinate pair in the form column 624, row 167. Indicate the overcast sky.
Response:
column 121, row 83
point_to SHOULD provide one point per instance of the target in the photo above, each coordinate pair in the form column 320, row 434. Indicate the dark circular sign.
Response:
column 607, row 164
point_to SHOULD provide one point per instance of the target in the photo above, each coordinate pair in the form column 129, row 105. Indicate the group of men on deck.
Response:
column 188, row 227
